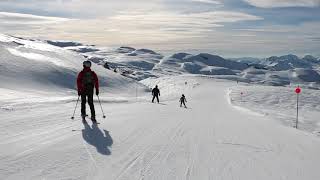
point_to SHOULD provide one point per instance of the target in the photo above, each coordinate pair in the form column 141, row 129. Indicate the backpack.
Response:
column 155, row 91
column 88, row 78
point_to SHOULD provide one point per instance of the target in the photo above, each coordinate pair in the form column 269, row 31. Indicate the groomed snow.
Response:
column 209, row 140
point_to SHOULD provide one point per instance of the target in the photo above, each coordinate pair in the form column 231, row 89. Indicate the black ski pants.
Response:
column 182, row 102
column 155, row 96
column 84, row 96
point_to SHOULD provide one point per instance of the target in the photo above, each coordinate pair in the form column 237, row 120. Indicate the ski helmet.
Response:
column 87, row 64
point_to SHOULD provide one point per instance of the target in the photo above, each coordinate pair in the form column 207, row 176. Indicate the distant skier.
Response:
column 183, row 101
column 86, row 82
column 155, row 93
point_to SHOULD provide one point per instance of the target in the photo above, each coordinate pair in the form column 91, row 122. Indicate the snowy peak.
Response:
column 286, row 62
column 311, row 59
column 202, row 63
column 214, row 60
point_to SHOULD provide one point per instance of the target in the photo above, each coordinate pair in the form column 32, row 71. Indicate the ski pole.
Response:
column 104, row 116
column 75, row 108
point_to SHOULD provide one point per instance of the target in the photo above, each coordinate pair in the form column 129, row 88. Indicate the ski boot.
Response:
column 93, row 119
column 84, row 119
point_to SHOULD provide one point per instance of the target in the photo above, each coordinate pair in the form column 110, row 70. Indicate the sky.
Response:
column 232, row 28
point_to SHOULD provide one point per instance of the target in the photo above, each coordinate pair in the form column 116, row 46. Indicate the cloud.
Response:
column 283, row 3
column 140, row 20
column 208, row 1
column 202, row 20
column 28, row 19
column 77, row 8
column 209, row 25
column 27, row 24
column 125, row 28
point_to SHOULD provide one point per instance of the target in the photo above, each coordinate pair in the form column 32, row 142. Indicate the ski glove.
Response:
column 97, row 92
column 79, row 93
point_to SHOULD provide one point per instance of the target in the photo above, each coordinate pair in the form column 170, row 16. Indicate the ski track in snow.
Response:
column 210, row 140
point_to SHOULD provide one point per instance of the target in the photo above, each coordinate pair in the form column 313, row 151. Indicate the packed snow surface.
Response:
column 139, row 140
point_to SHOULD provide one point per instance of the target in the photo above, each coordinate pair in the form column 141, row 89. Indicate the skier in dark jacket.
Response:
column 155, row 93
column 183, row 100
column 86, row 82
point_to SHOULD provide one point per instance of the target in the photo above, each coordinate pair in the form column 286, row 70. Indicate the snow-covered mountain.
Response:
column 202, row 63
column 32, row 69
column 140, row 64
column 286, row 62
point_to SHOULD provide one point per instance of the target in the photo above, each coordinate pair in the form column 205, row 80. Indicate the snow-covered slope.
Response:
column 280, row 103
column 209, row 140
column 130, row 62
column 31, row 69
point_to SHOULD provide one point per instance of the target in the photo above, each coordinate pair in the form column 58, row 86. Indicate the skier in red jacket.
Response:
column 86, row 82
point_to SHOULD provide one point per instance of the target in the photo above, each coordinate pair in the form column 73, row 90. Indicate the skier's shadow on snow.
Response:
column 101, row 140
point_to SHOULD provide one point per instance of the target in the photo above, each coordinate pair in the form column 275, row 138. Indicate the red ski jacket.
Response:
column 80, row 84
